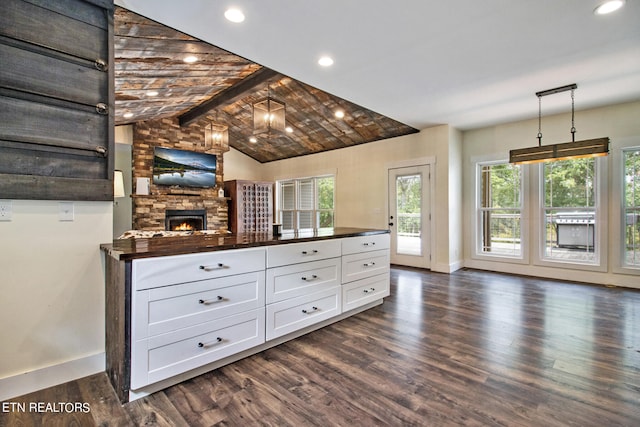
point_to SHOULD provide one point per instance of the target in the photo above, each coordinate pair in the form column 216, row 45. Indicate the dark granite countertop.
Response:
column 128, row 249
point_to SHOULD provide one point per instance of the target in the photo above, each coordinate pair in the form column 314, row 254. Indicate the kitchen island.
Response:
column 177, row 307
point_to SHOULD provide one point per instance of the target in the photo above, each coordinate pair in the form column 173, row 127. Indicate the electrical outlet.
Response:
column 65, row 211
column 5, row 210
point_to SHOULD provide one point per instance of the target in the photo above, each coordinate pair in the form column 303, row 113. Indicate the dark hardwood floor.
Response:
column 471, row 348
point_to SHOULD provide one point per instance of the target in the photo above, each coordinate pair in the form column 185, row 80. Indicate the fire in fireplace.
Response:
column 185, row 220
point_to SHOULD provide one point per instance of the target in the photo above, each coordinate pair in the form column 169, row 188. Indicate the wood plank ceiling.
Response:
column 149, row 57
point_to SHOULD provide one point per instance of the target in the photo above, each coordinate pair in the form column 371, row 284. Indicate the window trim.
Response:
column 619, row 221
column 296, row 211
column 601, row 224
column 477, row 253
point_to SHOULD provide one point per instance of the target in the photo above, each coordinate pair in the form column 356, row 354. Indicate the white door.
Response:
column 409, row 216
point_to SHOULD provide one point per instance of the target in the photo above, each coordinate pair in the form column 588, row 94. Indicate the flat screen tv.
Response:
column 183, row 168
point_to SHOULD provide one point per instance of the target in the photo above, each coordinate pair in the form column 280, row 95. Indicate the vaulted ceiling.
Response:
column 222, row 87
column 466, row 63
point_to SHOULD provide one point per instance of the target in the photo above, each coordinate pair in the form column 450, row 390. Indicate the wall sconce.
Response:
column 118, row 184
column 569, row 150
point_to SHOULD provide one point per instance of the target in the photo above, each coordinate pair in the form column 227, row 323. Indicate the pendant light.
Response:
column 216, row 135
column 569, row 150
column 268, row 115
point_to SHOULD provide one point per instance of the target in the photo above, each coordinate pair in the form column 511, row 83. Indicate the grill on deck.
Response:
column 574, row 229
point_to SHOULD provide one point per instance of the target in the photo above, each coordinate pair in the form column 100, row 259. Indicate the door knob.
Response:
column 390, row 223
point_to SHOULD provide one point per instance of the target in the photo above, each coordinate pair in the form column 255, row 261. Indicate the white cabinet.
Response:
column 168, row 270
column 295, row 253
column 194, row 312
column 168, row 308
column 190, row 310
column 363, row 291
column 166, row 355
column 366, row 264
column 354, row 245
column 296, row 313
column 303, row 285
column 365, row 270
column 301, row 279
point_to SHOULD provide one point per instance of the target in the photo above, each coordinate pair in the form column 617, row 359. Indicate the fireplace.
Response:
column 185, row 220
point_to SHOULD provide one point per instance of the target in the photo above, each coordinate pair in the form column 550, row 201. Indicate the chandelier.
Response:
column 216, row 135
column 268, row 115
column 569, row 150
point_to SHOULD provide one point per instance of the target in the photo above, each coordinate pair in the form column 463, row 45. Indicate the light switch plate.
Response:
column 6, row 210
column 65, row 211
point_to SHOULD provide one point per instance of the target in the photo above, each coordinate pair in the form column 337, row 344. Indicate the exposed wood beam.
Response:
column 228, row 95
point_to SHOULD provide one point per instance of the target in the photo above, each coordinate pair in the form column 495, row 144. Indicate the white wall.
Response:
column 237, row 165
column 52, row 304
column 618, row 122
column 361, row 182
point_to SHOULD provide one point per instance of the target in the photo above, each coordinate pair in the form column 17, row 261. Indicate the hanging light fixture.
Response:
column 569, row 150
column 216, row 135
column 268, row 115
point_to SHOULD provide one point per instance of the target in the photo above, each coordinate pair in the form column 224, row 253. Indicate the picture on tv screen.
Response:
column 183, row 168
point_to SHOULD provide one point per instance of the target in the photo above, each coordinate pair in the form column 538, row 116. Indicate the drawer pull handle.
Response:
column 203, row 345
column 211, row 301
column 309, row 252
column 313, row 277
column 366, row 291
column 367, row 244
column 369, row 264
column 210, row 267
column 310, row 311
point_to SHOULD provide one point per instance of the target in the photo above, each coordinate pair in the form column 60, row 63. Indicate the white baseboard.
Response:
column 447, row 268
column 29, row 382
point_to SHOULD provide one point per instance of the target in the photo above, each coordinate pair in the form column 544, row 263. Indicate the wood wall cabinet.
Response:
column 251, row 206
column 56, row 99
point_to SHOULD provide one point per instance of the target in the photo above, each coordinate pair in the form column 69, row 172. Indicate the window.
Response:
column 569, row 211
column 500, row 210
column 631, row 211
column 306, row 203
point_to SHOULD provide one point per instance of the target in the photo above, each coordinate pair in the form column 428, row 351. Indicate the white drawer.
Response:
column 290, row 315
column 301, row 279
column 169, row 270
column 163, row 356
column 364, row 291
column 294, row 253
column 354, row 245
column 367, row 264
column 165, row 309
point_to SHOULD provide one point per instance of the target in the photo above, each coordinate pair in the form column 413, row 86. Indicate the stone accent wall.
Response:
column 149, row 211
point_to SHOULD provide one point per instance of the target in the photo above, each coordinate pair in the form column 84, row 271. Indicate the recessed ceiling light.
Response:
column 190, row 59
column 253, row 139
column 234, row 15
column 152, row 93
column 339, row 114
column 127, row 115
column 325, row 61
column 608, row 7
column 288, row 129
